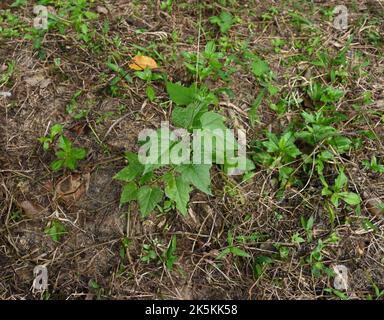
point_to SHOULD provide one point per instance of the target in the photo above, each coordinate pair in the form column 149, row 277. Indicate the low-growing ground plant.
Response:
column 148, row 188
column 67, row 155
column 56, row 230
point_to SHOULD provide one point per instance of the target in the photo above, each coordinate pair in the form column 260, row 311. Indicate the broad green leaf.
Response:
column 159, row 147
column 286, row 144
column 214, row 20
column 341, row 144
column 91, row 15
column 179, row 94
column 64, row 143
column 340, row 181
column 272, row 90
column 238, row 252
column 198, row 175
column 212, row 121
column 57, row 165
column 189, row 117
column 56, row 129
column 55, row 230
column 178, row 191
column 351, row 198
column 272, row 144
column 183, row 117
column 151, row 94
column 210, row 49
column 127, row 174
column 227, row 21
column 335, row 199
column 129, row 193
column 292, row 150
column 78, row 153
column 70, row 163
column 146, row 177
column 131, row 171
column 148, row 197
column 223, row 253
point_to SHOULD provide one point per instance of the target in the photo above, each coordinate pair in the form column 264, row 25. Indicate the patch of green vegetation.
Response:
column 56, row 230
column 6, row 76
column 67, row 155
column 46, row 141
column 231, row 248
column 209, row 63
column 373, row 165
column 224, row 21
column 142, row 184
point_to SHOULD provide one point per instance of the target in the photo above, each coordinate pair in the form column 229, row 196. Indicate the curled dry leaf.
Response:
column 31, row 210
column 141, row 62
column 373, row 204
column 213, row 253
column 52, row 10
column 73, row 187
column 102, row 10
column 80, row 128
column 373, row 207
column 47, row 186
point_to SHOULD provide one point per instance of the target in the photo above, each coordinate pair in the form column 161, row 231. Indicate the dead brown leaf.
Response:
column 31, row 210
column 72, row 187
column 141, row 62
column 372, row 206
column 102, row 10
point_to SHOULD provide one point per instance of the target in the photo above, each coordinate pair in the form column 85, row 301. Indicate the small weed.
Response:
column 7, row 74
column 149, row 254
column 46, row 141
column 56, row 230
column 141, row 183
column 166, row 5
column 373, row 165
column 336, row 191
column 261, row 265
column 169, row 256
column 224, row 21
column 67, row 155
column 232, row 249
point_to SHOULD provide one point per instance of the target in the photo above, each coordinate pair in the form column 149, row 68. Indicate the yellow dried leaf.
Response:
column 141, row 62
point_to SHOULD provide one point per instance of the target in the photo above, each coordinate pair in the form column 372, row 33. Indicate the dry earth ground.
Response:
column 90, row 261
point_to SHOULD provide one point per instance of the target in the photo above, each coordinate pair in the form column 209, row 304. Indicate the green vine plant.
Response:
column 148, row 184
